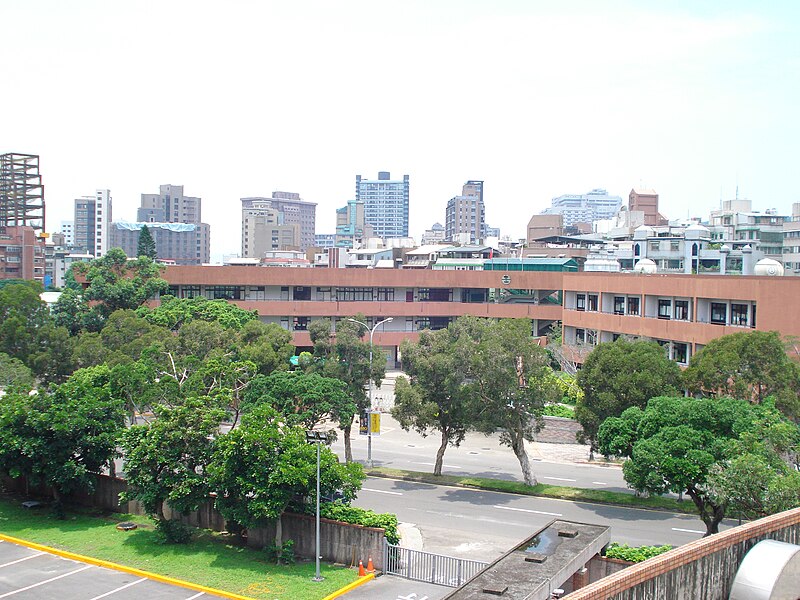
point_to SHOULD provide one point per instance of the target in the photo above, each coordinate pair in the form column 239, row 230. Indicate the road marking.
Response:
column 599, row 483
column 381, row 491
column 559, row 478
column 433, row 464
column 538, row 512
column 195, row 596
column 13, row 562
column 119, row 589
column 688, row 530
column 46, row 581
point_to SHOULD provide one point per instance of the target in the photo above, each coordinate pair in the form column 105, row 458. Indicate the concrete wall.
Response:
column 701, row 570
column 339, row 542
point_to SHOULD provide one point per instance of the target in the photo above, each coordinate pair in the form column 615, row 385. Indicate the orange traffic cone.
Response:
column 361, row 572
column 370, row 567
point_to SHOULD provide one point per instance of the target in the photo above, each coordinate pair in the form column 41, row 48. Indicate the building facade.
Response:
column 91, row 229
column 265, row 230
column 170, row 205
column 177, row 243
column 465, row 215
column 22, row 253
column 385, row 204
column 21, row 191
column 292, row 210
column 585, row 208
column 681, row 312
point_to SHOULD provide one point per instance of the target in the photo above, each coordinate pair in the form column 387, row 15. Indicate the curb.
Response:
column 350, row 586
column 109, row 565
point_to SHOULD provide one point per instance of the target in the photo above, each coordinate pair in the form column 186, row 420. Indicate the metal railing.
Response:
column 428, row 567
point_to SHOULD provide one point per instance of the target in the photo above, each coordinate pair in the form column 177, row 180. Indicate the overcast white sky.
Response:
column 242, row 98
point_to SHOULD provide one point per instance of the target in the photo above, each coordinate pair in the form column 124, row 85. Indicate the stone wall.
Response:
column 701, row 570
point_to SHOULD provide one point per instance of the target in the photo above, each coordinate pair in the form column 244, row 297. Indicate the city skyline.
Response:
column 693, row 102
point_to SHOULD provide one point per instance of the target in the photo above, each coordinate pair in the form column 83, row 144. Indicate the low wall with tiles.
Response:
column 701, row 570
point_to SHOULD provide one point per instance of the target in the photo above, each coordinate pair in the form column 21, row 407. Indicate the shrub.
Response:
column 283, row 553
column 556, row 410
column 337, row 511
column 635, row 555
column 172, row 531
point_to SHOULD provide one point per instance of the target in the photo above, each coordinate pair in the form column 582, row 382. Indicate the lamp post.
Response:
column 317, row 438
column 369, row 418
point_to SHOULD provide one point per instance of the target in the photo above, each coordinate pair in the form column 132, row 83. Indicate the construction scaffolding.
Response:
column 21, row 191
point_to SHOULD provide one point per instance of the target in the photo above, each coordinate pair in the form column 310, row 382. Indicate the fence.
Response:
column 430, row 568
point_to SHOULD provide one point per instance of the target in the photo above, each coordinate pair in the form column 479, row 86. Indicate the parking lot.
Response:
column 27, row 574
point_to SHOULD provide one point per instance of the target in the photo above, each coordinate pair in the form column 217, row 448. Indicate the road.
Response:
column 481, row 525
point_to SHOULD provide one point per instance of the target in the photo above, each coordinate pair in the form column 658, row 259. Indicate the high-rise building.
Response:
column 646, row 201
column 92, row 223
column 585, row 208
column 22, row 253
column 351, row 226
column 465, row 217
column 293, row 211
column 385, row 204
column 170, row 206
column 21, row 191
column 68, row 230
column 264, row 229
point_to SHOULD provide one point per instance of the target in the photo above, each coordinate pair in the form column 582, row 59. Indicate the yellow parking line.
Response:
column 350, row 586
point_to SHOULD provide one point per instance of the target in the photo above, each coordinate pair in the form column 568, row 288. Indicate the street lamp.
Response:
column 369, row 418
column 317, row 437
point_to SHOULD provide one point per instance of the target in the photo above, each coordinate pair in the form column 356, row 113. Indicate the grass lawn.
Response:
column 208, row 560
column 544, row 490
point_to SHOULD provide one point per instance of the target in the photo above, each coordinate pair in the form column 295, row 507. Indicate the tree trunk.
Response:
column 437, row 468
column 160, row 511
column 278, row 535
column 518, row 446
column 711, row 514
column 348, row 450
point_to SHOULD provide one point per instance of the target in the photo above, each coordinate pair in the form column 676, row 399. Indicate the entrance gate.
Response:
column 428, row 567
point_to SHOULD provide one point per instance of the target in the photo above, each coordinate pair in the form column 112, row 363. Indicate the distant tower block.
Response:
column 21, row 191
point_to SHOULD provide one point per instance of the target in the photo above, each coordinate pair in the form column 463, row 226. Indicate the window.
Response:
column 664, row 308
column 435, row 295
column 580, row 302
column 385, row 294
column 354, row 294
column 654, row 246
column 619, row 305
column 739, row 314
column 633, row 306
column 592, row 302
column 302, row 293
column 680, row 353
column 323, row 293
column 719, row 313
column 674, row 246
column 682, row 310
column 580, row 336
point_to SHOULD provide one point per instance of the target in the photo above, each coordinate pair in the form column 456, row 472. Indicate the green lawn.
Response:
column 208, row 560
column 544, row 490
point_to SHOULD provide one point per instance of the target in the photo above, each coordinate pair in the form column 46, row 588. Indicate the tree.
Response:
column 514, row 381
column 260, row 467
column 112, row 283
column 14, row 374
column 61, row 438
column 440, row 395
column 22, row 315
column 166, row 461
column 306, row 399
column 269, row 346
column 751, row 365
column 173, row 313
column 618, row 375
column 675, row 444
column 146, row 246
column 345, row 356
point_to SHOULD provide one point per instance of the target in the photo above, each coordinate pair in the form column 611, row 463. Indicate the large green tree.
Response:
column 146, row 246
column 14, row 374
column 173, row 313
column 265, row 464
column 440, row 395
column 618, row 375
column 752, row 365
column 64, row 436
column 167, row 460
column 344, row 355
column 22, row 315
column 514, row 381
column 675, row 444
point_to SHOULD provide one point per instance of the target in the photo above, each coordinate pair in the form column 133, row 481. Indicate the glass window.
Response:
column 619, row 305
column 385, row 294
column 674, row 246
column 680, row 353
column 664, row 308
column 633, row 306
column 354, row 294
column 580, row 302
column 592, row 302
column 580, row 336
column 719, row 313
column 654, row 246
column 739, row 314
column 682, row 310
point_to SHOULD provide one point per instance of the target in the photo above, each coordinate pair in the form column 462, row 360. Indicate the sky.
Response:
column 242, row 98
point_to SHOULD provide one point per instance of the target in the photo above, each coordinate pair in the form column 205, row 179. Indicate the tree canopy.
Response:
column 618, row 375
column 146, row 246
column 173, row 312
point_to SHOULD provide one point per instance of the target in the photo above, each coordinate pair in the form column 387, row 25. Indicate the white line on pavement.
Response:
column 599, row 483
column 559, row 478
column 195, row 596
column 13, row 562
column 119, row 589
column 688, row 530
column 381, row 491
column 538, row 512
column 46, row 581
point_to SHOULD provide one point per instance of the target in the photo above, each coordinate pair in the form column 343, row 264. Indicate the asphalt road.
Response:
column 482, row 525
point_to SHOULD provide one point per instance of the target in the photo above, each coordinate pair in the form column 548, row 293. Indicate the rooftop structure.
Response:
column 21, row 192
